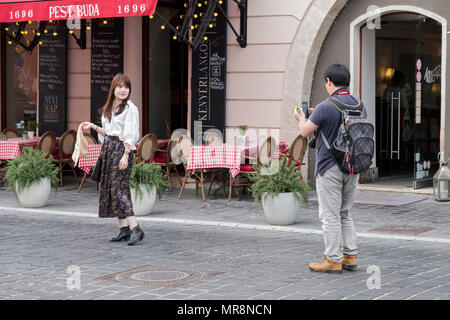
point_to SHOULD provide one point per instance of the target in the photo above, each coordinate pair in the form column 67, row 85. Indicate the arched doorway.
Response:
column 407, row 112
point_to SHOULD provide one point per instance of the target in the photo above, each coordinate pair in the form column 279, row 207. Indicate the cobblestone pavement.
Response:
column 38, row 246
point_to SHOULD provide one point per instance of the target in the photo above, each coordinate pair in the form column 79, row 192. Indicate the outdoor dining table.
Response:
column 94, row 150
column 226, row 156
column 12, row 148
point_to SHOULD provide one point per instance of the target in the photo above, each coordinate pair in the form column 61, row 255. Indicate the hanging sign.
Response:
column 52, row 79
column 209, row 79
column 29, row 10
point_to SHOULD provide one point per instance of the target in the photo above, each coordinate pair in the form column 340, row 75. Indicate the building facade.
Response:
column 289, row 45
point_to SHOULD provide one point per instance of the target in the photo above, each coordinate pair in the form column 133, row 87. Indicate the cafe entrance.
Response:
column 408, row 98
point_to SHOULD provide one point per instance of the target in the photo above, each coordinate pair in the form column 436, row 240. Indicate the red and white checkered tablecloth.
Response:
column 12, row 148
column 212, row 156
column 94, row 151
column 90, row 159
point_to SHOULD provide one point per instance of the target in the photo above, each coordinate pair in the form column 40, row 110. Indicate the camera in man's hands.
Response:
column 303, row 108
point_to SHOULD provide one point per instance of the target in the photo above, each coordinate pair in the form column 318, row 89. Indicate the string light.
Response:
column 174, row 37
column 9, row 42
column 40, row 43
column 55, row 33
column 7, row 29
column 185, row 5
column 220, row 2
column 205, row 38
column 195, row 16
column 163, row 27
column 105, row 21
column 71, row 31
column 199, row 5
column 88, row 27
column 38, row 34
column 211, row 26
column 215, row 14
column 45, row 31
column 151, row 17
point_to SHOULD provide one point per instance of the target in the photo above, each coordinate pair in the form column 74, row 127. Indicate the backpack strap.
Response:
column 342, row 107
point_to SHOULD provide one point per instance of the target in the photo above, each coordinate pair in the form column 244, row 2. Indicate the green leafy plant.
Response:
column 30, row 167
column 144, row 176
column 273, row 180
column 31, row 125
column 243, row 128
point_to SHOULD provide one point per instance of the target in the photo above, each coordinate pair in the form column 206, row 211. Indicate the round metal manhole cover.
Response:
column 161, row 276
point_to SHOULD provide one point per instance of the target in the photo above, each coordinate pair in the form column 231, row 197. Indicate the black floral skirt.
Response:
column 115, row 194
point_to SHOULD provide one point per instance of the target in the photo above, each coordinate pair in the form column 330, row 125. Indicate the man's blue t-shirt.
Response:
column 328, row 118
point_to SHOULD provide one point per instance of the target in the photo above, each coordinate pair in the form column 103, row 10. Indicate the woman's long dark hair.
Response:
column 119, row 79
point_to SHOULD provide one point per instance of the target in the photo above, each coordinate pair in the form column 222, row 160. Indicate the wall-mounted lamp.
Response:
column 388, row 74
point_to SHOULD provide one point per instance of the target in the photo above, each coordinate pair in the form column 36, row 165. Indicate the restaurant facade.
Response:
column 239, row 63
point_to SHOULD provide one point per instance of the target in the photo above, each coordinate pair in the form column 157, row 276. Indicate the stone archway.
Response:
column 302, row 60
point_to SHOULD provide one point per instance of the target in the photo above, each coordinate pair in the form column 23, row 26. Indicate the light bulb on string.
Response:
column 55, row 33
column 205, row 38
column 163, row 27
column 9, row 42
column 215, row 14
column 199, row 5
column 105, row 21
column 211, row 26
column 151, row 16
column 88, row 27
column 174, row 37
column 195, row 16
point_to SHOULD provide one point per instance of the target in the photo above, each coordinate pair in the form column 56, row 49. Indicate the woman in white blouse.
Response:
column 119, row 134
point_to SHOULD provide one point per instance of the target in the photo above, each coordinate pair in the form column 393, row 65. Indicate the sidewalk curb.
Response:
column 233, row 225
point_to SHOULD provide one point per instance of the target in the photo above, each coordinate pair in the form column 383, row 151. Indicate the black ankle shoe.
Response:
column 124, row 235
column 136, row 235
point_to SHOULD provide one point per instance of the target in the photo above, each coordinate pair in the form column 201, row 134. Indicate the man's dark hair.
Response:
column 338, row 74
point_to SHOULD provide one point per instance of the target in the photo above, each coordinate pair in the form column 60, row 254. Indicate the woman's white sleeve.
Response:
column 100, row 137
column 130, row 132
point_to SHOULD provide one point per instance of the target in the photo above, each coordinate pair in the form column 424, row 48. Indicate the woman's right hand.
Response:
column 87, row 125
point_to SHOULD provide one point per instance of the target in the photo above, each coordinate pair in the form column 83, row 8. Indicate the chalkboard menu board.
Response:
column 106, row 61
column 52, row 79
column 209, row 78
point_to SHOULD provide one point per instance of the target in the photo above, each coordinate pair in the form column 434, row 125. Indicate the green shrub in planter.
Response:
column 279, row 179
column 145, row 176
column 30, row 167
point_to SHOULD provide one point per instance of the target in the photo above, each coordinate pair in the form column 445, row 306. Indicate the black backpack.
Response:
column 354, row 146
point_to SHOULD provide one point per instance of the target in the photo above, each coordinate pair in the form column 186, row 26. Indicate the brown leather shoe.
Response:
column 349, row 262
column 326, row 266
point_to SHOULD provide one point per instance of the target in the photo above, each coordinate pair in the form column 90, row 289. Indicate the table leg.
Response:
column 226, row 188
column 82, row 181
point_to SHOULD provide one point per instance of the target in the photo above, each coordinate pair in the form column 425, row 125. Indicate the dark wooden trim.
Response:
column 145, row 75
column 3, row 80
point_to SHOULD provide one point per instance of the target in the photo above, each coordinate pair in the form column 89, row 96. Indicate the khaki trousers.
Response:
column 336, row 191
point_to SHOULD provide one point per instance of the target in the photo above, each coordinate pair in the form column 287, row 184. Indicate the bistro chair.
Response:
column 10, row 133
column 147, row 148
column 47, row 143
column 199, row 175
column 66, row 147
column 297, row 151
column 167, row 163
column 264, row 157
column 90, row 138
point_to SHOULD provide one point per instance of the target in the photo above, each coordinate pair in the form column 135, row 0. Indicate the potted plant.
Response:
column 30, row 176
column 281, row 190
column 242, row 130
column 145, row 180
column 31, row 126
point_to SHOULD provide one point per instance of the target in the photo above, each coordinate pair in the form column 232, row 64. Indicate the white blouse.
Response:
column 125, row 125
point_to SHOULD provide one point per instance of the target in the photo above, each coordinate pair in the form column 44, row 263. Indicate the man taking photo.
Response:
column 335, row 189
